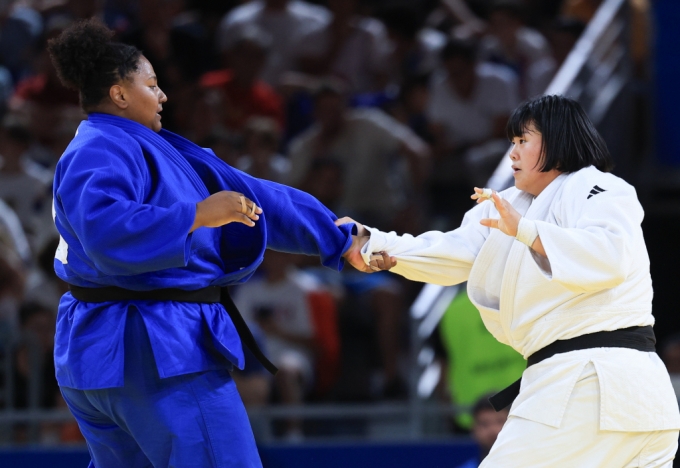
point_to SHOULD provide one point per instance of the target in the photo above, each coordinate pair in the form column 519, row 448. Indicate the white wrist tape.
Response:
column 527, row 232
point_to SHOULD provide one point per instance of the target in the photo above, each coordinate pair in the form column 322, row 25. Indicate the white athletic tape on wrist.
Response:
column 527, row 232
column 486, row 193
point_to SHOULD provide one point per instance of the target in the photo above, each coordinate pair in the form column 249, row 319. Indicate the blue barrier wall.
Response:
column 666, row 52
column 392, row 455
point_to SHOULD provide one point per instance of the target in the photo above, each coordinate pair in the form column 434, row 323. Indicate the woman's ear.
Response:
column 117, row 95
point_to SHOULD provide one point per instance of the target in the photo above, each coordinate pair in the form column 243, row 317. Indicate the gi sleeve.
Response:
column 298, row 223
column 443, row 258
column 100, row 193
column 598, row 249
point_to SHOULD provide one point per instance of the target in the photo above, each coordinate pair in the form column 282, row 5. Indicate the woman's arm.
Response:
column 296, row 222
column 593, row 252
column 433, row 257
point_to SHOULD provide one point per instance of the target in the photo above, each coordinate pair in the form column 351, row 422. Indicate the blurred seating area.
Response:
column 388, row 111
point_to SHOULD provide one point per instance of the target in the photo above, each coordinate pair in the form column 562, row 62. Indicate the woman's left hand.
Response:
column 509, row 217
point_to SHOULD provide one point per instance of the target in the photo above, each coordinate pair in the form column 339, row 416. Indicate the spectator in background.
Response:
column 477, row 363
column 43, row 87
column 20, row 29
column 510, row 42
column 469, row 105
column 486, row 425
column 261, row 139
column 176, row 42
column 351, row 47
column 243, row 93
column 24, row 185
column 411, row 107
column 35, row 385
column 563, row 34
column 224, row 144
column 382, row 159
column 34, row 361
column 325, row 181
column 14, row 246
column 44, row 287
column 286, row 20
column 50, row 109
column 415, row 51
column 12, row 277
column 640, row 27
column 278, row 304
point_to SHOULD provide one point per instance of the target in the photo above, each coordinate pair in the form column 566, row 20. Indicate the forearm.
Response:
column 299, row 223
column 432, row 257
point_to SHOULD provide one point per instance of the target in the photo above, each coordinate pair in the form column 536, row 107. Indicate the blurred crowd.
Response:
column 387, row 111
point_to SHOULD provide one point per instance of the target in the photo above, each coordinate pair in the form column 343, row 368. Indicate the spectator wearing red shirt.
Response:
column 243, row 94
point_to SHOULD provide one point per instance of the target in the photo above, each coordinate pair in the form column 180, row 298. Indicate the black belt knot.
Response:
column 638, row 338
column 209, row 295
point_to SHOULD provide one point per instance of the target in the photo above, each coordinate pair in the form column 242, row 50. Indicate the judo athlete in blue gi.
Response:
column 147, row 219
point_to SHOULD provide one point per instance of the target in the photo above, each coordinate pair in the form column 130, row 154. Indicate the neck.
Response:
column 552, row 175
column 106, row 108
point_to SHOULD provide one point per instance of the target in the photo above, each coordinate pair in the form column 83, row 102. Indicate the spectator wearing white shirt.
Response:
column 415, row 51
column 24, row 185
column 261, row 159
column 510, row 42
column 15, row 256
column 382, row 159
column 286, row 21
column 278, row 304
column 351, row 47
column 469, row 104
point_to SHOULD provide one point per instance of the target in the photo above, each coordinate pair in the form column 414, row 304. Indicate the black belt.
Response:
column 638, row 338
column 211, row 294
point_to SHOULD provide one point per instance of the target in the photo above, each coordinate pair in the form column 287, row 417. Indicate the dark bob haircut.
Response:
column 89, row 61
column 570, row 140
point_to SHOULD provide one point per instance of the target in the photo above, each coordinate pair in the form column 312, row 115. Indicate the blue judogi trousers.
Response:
column 192, row 420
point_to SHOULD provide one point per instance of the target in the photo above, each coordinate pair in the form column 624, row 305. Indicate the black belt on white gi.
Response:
column 210, row 295
column 638, row 338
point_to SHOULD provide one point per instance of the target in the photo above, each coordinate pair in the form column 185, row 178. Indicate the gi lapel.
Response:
column 535, row 209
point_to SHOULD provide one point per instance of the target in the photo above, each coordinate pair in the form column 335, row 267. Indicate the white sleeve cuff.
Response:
column 377, row 237
column 527, row 232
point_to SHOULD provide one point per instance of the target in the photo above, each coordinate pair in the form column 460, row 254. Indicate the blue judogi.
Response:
column 124, row 200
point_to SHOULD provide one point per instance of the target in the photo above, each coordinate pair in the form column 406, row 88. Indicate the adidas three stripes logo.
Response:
column 595, row 190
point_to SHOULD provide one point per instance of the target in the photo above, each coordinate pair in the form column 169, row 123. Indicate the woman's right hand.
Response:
column 226, row 207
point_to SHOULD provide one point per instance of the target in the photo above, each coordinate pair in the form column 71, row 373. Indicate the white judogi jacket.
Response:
column 595, row 278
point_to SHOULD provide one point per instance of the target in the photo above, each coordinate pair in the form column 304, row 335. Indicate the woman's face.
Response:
column 525, row 156
column 143, row 96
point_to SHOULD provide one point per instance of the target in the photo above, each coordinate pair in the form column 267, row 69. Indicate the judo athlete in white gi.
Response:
column 153, row 229
column 558, row 268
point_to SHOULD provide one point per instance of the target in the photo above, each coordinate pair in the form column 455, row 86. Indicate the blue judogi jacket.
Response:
column 124, row 201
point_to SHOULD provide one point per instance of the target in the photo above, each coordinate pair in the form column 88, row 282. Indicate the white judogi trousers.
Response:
column 579, row 442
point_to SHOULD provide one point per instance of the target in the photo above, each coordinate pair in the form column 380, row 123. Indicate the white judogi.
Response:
column 595, row 278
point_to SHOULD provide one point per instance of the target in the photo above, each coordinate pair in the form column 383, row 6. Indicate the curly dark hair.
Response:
column 88, row 60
